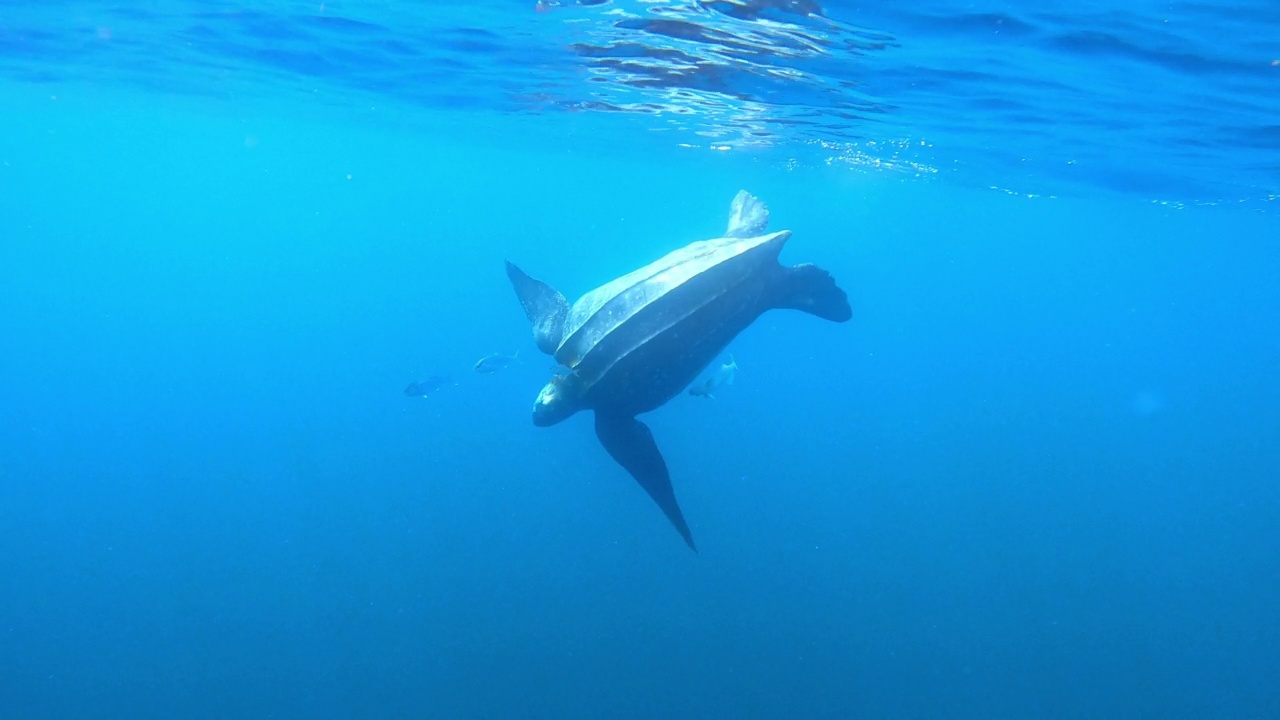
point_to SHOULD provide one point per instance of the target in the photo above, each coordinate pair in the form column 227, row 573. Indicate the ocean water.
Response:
column 1035, row 476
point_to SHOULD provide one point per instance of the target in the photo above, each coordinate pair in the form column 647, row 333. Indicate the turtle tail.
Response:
column 809, row 288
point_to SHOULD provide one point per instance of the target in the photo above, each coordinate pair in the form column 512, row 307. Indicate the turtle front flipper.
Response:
column 631, row 443
column 545, row 307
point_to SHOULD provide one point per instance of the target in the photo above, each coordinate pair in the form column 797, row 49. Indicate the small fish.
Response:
column 546, row 6
column 722, row 376
column 424, row 388
column 490, row 364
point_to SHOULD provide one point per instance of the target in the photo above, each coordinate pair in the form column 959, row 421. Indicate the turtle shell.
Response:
column 611, row 321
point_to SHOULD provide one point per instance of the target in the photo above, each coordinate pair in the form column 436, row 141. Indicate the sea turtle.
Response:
column 631, row 345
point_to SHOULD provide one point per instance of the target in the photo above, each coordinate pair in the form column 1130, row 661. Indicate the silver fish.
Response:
column 490, row 364
column 722, row 376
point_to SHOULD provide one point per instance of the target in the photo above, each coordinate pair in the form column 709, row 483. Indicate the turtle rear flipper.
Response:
column 545, row 307
column 748, row 216
column 809, row 288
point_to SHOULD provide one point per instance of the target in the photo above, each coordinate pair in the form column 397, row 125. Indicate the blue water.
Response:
column 1034, row 477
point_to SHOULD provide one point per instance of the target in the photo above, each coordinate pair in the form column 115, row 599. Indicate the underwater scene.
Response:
column 639, row 359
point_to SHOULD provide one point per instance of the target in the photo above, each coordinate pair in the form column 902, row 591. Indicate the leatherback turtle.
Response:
column 631, row 345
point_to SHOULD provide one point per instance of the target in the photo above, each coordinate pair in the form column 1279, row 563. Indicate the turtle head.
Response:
column 557, row 401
